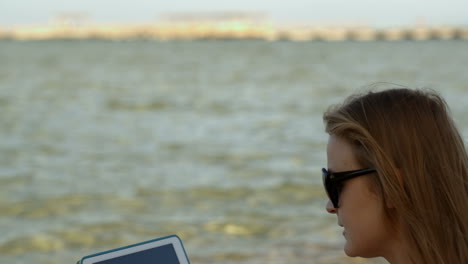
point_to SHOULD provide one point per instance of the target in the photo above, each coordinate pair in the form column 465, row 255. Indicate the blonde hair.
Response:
column 422, row 164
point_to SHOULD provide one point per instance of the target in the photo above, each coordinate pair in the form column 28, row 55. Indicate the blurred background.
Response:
column 125, row 121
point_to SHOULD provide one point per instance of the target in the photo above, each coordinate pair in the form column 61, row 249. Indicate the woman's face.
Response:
column 366, row 228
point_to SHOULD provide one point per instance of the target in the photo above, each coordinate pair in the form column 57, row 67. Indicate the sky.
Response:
column 371, row 12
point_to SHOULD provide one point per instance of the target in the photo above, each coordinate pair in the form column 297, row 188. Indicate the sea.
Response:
column 109, row 143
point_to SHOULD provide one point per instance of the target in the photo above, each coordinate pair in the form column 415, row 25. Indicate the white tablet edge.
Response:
column 174, row 240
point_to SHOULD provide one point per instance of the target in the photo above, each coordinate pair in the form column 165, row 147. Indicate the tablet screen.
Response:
column 159, row 255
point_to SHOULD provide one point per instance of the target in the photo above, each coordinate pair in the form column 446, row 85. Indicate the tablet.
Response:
column 164, row 250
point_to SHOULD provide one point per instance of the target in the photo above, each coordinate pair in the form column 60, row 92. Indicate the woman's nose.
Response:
column 330, row 208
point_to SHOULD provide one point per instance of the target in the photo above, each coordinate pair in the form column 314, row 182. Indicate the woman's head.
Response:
column 410, row 139
column 367, row 230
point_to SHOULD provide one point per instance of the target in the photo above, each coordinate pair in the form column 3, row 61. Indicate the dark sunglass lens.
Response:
column 330, row 188
column 332, row 193
column 335, row 195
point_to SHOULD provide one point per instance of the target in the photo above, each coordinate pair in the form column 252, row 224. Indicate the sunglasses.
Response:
column 332, row 181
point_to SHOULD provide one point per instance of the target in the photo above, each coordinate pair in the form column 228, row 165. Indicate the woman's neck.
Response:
column 399, row 252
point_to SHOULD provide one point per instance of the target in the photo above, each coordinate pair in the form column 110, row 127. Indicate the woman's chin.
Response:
column 349, row 251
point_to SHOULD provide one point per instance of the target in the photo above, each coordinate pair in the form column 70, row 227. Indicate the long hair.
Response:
column 422, row 164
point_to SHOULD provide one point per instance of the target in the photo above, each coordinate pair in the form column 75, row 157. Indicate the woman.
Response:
column 397, row 177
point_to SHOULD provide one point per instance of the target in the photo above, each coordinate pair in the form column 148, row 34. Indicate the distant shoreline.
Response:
column 232, row 30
